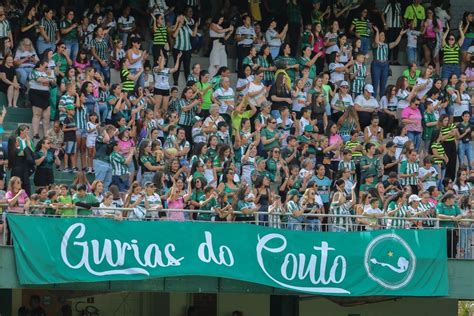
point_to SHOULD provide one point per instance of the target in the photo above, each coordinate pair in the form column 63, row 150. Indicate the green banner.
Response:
column 388, row 262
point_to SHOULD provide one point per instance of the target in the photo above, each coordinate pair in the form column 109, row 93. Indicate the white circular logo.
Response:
column 390, row 261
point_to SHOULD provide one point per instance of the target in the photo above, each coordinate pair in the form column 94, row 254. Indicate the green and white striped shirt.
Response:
column 183, row 39
column 50, row 28
column 381, row 52
column 4, row 28
column 80, row 117
column 119, row 168
column 349, row 165
column 359, row 80
column 264, row 63
column 409, row 168
column 186, row 118
column 65, row 100
column 101, row 48
column 344, row 223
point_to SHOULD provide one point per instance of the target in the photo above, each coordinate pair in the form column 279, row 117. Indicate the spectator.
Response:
column 244, row 36
column 49, row 33
column 69, row 34
column 9, row 84
column 100, row 53
column 25, row 60
column 182, row 33
column 45, row 158
column 126, row 25
column 219, row 36
column 412, row 118
column 160, row 37
column 137, row 57
column 84, row 201
column 29, row 23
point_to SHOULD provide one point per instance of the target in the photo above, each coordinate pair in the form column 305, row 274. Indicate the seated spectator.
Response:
column 8, row 81
column 25, row 59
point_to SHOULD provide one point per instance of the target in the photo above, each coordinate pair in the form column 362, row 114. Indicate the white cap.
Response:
column 344, row 83
column 369, row 88
column 413, row 198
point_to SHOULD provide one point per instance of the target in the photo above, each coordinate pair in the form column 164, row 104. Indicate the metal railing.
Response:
column 460, row 238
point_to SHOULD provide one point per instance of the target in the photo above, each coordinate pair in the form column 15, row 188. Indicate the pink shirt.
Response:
column 470, row 73
column 413, row 114
column 20, row 202
column 176, row 204
column 124, row 146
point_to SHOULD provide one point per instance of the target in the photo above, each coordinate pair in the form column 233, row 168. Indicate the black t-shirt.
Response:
column 462, row 129
column 386, row 160
column 9, row 73
column 283, row 94
column 31, row 33
column 69, row 136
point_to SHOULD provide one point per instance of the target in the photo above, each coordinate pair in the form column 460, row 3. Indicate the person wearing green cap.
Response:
column 293, row 208
column 69, row 129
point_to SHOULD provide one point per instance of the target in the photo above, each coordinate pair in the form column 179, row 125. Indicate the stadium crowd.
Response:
column 311, row 126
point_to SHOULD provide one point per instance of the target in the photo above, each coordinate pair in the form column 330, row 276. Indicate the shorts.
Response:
column 39, row 98
column 90, row 142
column 162, row 92
column 82, row 133
column 449, row 69
column 70, row 147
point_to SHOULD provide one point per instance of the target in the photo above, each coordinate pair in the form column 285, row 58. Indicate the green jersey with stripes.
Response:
column 312, row 69
column 117, row 161
column 186, row 118
column 80, row 117
column 349, row 165
column 441, row 152
column 50, row 28
column 101, row 48
column 409, row 168
column 451, row 54
column 344, row 223
column 183, row 39
column 360, row 72
column 401, row 212
column 361, row 27
column 265, row 63
column 127, row 83
column 381, row 52
column 66, row 100
column 160, row 37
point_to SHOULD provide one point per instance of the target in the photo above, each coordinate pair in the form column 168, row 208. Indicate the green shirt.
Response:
column 428, row 130
column 61, row 61
column 66, row 211
column 207, row 96
column 206, row 207
column 72, row 34
column 268, row 134
column 89, row 198
column 243, row 205
column 443, row 209
column 312, row 69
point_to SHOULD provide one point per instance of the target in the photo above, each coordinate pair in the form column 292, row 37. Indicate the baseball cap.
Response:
column 414, row 198
column 390, row 144
column 344, row 84
column 369, row 88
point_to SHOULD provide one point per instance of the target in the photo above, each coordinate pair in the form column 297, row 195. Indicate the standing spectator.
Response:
column 25, row 59
column 265, row 61
column 412, row 119
column 126, row 25
column 38, row 95
column 182, row 34
column 219, row 35
column 69, row 34
column 100, row 53
column 393, row 25
column 101, row 163
column 29, row 23
column 137, row 59
column 451, row 51
column 44, row 160
column 244, row 36
column 20, row 156
column 49, row 33
column 295, row 22
column 415, row 13
column 5, row 29
column 160, row 38
column 330, row 41
column 9, row 84
column 449, row 211
column 360, row 27
column 119, row 163
column 448, row 139
column 431, row 28
column 465, row 138
column 380, row 67
column 275, row 39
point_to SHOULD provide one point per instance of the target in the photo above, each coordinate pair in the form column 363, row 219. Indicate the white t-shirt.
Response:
column 243, row 82
column 367, row 104
column 412, row 37
column 334, row 75
column 162, row 81
column 224, row 96
column 272, row 39
column 258, row 99
column 126, row 23
column 429, row 181
column 400, row 142
column 458, row 108
column 402, row 96
column 345, row 101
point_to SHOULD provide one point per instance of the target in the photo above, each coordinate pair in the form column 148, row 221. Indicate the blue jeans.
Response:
column 141, row 80
column 103, row 112
column 415, row 137
column 103, row 172
column 294, row 224
column 42, row 46
column 275, row 114
column 73, row 47
column 365, row 45
column 411, row 55
column 22, row 74
column 103, row 70
column 313, row 225
column 441, row 173
column 121, row 182
column 465, row 149
column 379, row 72
column 274, row 51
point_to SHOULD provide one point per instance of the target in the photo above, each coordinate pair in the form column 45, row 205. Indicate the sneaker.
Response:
column 90, row 170
column 67, row 170
column 36, row 137
column 75, row 170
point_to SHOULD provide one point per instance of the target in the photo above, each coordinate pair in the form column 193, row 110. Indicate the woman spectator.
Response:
column 211, row 121
column 468, row 30
column 148, row 161
column 307, row 61
column 366, row 106
column 25, row 60
column 219, row 35
column 412, row 74
column 462, row 101
column 250, row 59
column 39, row 95
column 21, row 157
column 195, row 193
column 97, row 189
column 348, row 122
column 440, row 159
column 225, row 97
column 182, row 34
column 330, row 41
column 244, row 208
column 389, row 105
column 263, row 198
column 176, row 200
column 205, row 89
column 451, row 50
column 49, row 33
column 311, row 203
column 341, row 101
column 120, row 173
column 5, row 48
column 448, row 139
column 404, row 96
column 373, row 133
column 228, row 185
column 341, row 206
column 45, row 158
column 188, row 107
column 412, row 118
column 430, row 28
column 424, row 83
column 280, row 95
column 160, row 37
column 275, row 39
column 265, row 61
column 137, row 57
column 69, row 35
column 244, row 78
column 380, row 66
column 318, row 46
column 448, row 210
column 29, row 23
column 17, row 198
column 100, row 53
column 462, row 187
column 286, row 63
column 101, row 163
column 8, row 82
